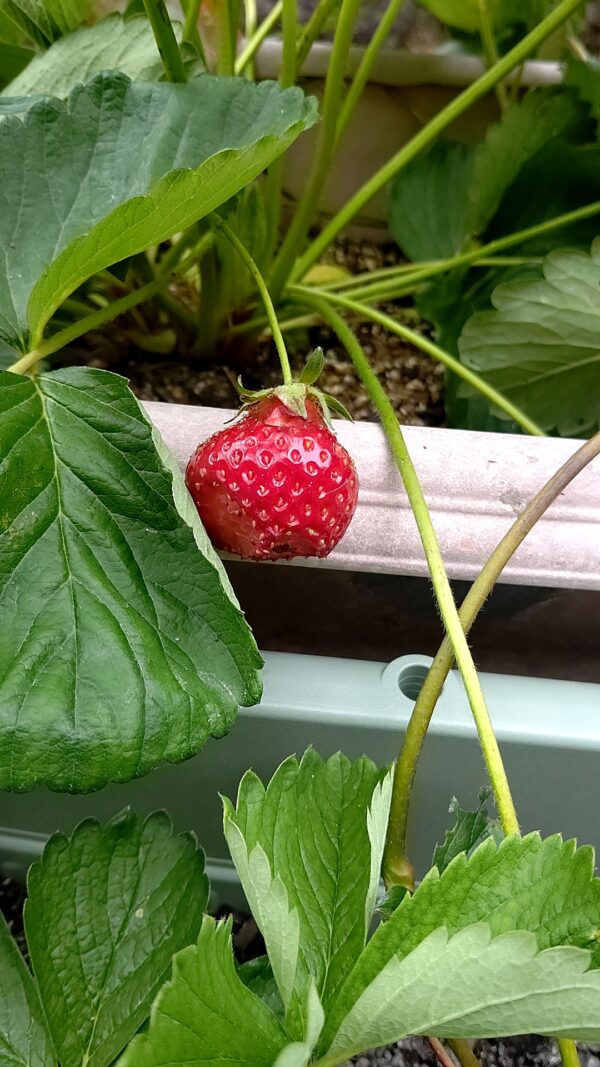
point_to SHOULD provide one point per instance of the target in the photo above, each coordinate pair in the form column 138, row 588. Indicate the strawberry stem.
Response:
column 243, row 252
column 439, row 578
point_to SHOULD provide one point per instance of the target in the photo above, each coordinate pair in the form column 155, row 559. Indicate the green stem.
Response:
column 405, row 273
column 251, row 47
column 287, row 78
column 421, row 272
column 428, row 134
column 307, row 296
column 225, row 38
column 264, row 292
column 306, row 209
column 250, row 23
column 489, row 48
column 190, row 27
column 312, row 30
column 420, row 719
column 362, row 75
column 77, row 329
column 166, row 41
column 96, row 319
column 439, row 578
column 568, row 1052
column 463, row 1052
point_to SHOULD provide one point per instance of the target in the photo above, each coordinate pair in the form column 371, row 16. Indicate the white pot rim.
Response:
column 396, row 68
column 475, row 484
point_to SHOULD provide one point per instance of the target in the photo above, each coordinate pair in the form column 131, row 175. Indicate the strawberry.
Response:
column 278, row 483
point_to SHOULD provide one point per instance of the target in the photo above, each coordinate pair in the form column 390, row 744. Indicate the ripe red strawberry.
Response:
column 277, row 483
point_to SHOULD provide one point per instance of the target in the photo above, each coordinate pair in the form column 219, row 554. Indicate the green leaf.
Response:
column 313, row 368
column 429, row 202
column 121, row 642
column 24, row 1037
column 107, row 909
column 45, row 20
column 392, row 899
column 257, row 975
column 115, row 43
column 542, row 886
column 299, row 1053
column 206, row 1015
column 462, row 14
column 540, row 346
column 308, row 851
column 470, row 829
column 585, row 78
column 474, row 986
column 13, row 58
column 118, row 167
column 524, row 129
column 450, row 194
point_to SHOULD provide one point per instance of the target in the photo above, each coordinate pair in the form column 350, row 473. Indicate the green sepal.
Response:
column 313, row 367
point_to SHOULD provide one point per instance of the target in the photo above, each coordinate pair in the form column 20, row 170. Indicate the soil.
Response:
column 412, row 380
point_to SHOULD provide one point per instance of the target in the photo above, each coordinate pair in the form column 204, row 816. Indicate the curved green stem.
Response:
column 253, row 44
column 334, row 85
column 489, row 47
column 168, row 265
column 264, row 292
column 439, row 578
column 370, row 287
column 312, row 30
column 463, row 1052
column 91, row 322
column 568, row 1052
column 420, row 719
column 365, row 67
column 435, row 126
column 307, row 296
column 250, row 23
column 166, row 41
column 190, row 27
column 287, row 78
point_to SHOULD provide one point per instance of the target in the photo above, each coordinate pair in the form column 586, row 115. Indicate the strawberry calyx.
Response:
column 295, row 395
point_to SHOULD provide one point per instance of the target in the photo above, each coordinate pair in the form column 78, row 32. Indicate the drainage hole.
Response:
column 411, row 678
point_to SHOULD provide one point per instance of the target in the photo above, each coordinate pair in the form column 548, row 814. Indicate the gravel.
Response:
column 512, row 1052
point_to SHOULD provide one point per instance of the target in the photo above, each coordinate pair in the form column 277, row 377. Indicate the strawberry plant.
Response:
column 142, row 183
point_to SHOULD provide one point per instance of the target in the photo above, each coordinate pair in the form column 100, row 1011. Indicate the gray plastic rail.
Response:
column 549, row 733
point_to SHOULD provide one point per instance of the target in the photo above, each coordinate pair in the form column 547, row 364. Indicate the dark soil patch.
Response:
column 511, row 1052
column 12, row 900
column 412, row 380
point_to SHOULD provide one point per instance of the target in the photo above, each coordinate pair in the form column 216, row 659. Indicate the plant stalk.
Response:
column 334, row 85
column 264, row 292
column 250, row 23
column 488, row 80
column 420, row 719
column 463, row 1052
column 490, row 50
column 253, row 44
column 439, row 578
column 312, row 30
column 305, row 296
column 391, row 288
column 287, row 78
column 226, row 32
column 171, row 264
column 190, row 27
column 361, row 77
column 166, row 41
